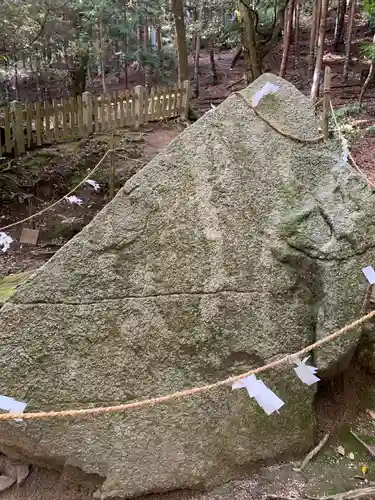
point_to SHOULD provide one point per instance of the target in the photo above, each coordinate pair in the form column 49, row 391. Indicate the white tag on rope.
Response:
column 13, row 406
column 268, row 88
column 370, row 274
column 258, row 390
column 94, row 184
column 305, row 372
column 5, row 241
column 74, row 200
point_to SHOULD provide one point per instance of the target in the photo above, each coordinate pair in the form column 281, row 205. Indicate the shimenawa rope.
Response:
column 188, row 392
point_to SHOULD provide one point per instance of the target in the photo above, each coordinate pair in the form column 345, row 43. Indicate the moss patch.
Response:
column 9, row 283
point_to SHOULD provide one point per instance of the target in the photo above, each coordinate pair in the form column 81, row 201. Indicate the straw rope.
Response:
column 43, row 415
column 312, row 140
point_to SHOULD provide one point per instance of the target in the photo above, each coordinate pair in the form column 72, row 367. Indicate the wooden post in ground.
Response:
column 185, row 91
column 112, row 168
column 139, row 98
column 326, row 100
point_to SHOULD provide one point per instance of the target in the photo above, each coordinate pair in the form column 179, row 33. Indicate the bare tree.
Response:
column 253, row 64
column 339, row 26
column 287, row 37
column 314, row 30
column 320, row 52
column 351, row 15
column 297, row 15
column 370, row 76
column 198, row 15
column 178, row 12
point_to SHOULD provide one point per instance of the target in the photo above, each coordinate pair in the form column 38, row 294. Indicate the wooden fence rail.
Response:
column 26, row 125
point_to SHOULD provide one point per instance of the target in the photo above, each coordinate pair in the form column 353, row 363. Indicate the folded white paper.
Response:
column 267, row 399
column 11, row 405
column 5, row 241
column 94, row 184
column 305, row 372
column 258, row 390
column 74, row 200
column 268, row 88
column 370, row 274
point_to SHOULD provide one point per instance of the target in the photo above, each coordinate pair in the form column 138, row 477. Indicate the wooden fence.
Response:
column 26, row 125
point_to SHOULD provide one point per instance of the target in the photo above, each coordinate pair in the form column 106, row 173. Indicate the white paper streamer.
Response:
column 13, row 406
column 258, row 390
column 268, row 88
column 305, row 372
column 74, row 200
column 370, row 274
column 5, row 241
column 94, row 184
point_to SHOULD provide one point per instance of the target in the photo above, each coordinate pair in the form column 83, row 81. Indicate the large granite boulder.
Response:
column 235, row 245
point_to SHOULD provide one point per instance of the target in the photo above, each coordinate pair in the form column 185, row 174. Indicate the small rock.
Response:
column 6, row 482
column 341, row 450
column 351, row 455
column 22, row 473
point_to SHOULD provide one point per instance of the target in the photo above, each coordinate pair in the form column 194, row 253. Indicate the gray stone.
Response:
column 232, row 247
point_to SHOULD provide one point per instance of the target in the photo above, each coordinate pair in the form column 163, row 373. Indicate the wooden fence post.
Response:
column 87, row 112
column 17, row 127
column 139, row 102
column 185, row 91
column 326, row 100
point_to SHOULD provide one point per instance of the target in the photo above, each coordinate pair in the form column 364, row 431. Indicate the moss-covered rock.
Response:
column 9, row 283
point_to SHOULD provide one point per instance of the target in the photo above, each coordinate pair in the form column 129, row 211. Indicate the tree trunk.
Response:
column 319, row 15
column 320, row 53
column 78, row 75
column 213, row 63
column 16, row 81
column 126, row 64
column 370, row 76
column 236, row 56
column 287, row 38
column 197, row 52
column 118, row 62
column 253, row 65
column 158, row 48
column 178, row 11
column 351, row 15
column 314, row 29
column 158, row 38
column 340, row 23
column 102, row 55
column 297, row 15
column 146, row 48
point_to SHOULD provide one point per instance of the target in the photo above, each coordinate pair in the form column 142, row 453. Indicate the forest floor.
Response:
column 50, row 173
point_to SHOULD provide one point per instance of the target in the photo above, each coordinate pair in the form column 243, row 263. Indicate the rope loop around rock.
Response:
column 277, row 129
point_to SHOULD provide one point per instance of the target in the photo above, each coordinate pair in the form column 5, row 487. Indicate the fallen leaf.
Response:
column 341, row 451
column 6, row 482
column 371, row 414
column 351, row 455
